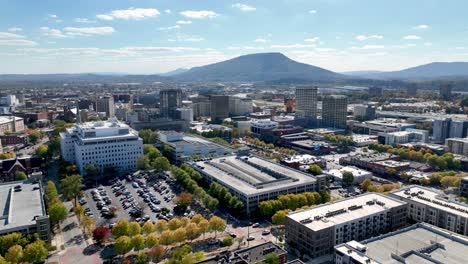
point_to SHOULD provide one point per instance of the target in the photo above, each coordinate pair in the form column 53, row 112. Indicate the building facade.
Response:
column 105, row 144
column 11, row 124
column 219, row 107
column 106, row 105
column 170, row 100
column 334, row 111
column 457, row 145
column 306, row 102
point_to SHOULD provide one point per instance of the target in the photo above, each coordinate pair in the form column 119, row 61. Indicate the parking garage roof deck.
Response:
column 253, row 175
column 343, row 211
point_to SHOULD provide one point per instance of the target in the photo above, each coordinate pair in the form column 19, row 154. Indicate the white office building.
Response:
column 106, row 144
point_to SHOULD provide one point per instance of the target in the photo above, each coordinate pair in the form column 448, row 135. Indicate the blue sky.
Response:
column 154, row 36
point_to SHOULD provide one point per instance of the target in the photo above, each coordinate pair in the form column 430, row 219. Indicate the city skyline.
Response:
column 156, row 36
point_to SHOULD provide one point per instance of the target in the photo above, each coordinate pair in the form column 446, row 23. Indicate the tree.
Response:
column 101, row 234
column 138, row 242
column 180, row 235
column 151, row 240
column 91, row 170
column 7, row 155
column 123, row 245
column 51, row 192
column 71, row 186
column 34, row 136
column 271, row 258
column 148, row 227
column 184, row 199
column 203, row 227
column 217, row 224
column 20, row 176
column 156, row 252
column 192, row 230
column 14, row 254
column 315, row 169
column 228, row 241
column 161, row 225
column 57, row 212
column 141, row 259
column 142, row 162
column 174, row 223
column 121, row 228
column 42, row 151
column 348, row 177
column 279, row 218
column 325, row 197
column 88, row 224
column 134, row 228
column 79, row 211
column 161, row 164
column 365, row 184
column 167, row 237
column 35, row 252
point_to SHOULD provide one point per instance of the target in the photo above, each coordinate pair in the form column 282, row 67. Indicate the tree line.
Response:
column 19, row 248
column 292, row 202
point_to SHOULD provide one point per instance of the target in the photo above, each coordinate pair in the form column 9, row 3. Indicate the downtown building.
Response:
column 170, row 101
column 431, row 206
column 106, row 105
column 334, row 111
column 306, row 103
column 316, row 231
column 105, row 144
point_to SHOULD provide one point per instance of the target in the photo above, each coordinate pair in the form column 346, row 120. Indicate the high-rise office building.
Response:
column 170, row 100
column 441, row 129
column 457, row 145
column 306, row 102
column 106, row 104
column 219, row 107
column 364, row 112
column 334, row 111
column 458, row 128
column 445, row 90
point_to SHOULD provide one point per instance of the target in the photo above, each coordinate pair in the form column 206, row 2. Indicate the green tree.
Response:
column 72, row 186
column 141, row 258
column 57, row 212
column 228, row 241
column 161, row 164
column 20, row 176
column 217, row 224
column 325, row 197
column 14, row 254
column 123, row 245
column 134, row 228
column 148, row 227
column 167, row 237
column 279, row 218
column 315, row 169
column 121, row 228
column 152, row 240
column 271, row 258
column 35, row 252
column 42, row 151
column 348, row 177
column 79, row 211
column 34, row 136
column 138, row 242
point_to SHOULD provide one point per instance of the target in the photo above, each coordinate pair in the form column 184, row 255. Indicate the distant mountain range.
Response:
column 258, row 67
column 264, row 67
column 431, row 71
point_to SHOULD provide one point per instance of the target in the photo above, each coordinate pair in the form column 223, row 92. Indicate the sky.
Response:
column 156, row 36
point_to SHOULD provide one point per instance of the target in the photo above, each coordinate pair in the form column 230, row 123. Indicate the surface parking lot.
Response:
column 154, row 194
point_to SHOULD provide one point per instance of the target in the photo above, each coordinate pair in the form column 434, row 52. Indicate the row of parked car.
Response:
column 103, row 202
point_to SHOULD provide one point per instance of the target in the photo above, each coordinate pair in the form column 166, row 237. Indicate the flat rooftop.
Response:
column 343, row 211
column 355, row 170
column 419, row 243
column 433, row 198
column 19, row 208
column 253, row 175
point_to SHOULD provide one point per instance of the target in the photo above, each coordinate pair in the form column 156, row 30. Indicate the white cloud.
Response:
column 292, row 46
column 15, row 29
column 81, row 31
column 423, row 26
column 428, row 44
column 9, row 35
column 130, row 14
column 52, row 32
column 54, row 18
column 244, row 7
column 366, row 37
column 187, row 39
column 168, row 11
column 17, row 42
column 201, row 14
column 314, row 39
column 169, row 28
column 368, row 47
column 84, row 20
column 312, row 11
column 412, row 37
column 244, row 48
column 184, row 22
column 261, row 40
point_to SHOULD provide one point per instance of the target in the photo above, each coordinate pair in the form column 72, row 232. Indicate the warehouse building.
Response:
column 253, row 179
